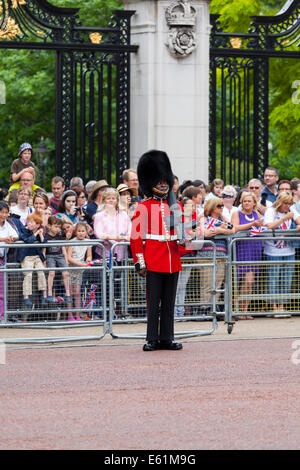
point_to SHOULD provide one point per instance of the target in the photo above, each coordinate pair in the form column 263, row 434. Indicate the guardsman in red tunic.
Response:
column 154, row 246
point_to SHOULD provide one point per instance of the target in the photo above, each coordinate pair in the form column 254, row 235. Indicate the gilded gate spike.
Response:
column 10, row 29
column 16, row 3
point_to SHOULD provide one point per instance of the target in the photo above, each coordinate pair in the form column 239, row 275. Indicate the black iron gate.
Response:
column 239, row 91
column 92, row 83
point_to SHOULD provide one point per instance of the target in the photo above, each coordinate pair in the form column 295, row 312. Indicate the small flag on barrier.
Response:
column 90, row 300
column 256, row 230
column 94, row 262
column 211, row 222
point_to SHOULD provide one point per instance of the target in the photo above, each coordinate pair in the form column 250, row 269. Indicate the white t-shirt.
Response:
column 228, row 213
column 277, row 247
column 293, row 208
column 268, row 203
column 23, row 214
column 199, row 210
column 6, row 230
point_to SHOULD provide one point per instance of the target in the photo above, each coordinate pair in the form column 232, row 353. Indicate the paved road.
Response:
column 239, row 394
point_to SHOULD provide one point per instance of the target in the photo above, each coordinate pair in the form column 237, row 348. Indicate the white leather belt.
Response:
column 161, row 238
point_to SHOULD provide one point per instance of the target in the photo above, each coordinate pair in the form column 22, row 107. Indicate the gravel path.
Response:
column 214, row 394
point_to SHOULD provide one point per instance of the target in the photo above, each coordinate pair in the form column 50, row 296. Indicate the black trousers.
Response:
column 161, row 295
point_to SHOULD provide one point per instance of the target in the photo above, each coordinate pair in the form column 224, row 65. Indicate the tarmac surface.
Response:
column 222, row 391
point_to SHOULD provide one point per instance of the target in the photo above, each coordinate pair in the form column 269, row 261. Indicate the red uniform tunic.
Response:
column 161, row 250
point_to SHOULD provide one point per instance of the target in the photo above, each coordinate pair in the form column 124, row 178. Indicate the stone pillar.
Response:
column 169, row 90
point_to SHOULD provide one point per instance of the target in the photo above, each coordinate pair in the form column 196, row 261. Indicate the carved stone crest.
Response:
column 181, row 19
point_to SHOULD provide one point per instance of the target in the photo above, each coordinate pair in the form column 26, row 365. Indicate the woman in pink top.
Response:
column 113, row 225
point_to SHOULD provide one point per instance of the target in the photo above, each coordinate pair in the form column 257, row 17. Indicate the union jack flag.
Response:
column 210, row 222
column 284, row 226
column 95, row 262
column 256, row 230
column 280, row 244
column 90, row 300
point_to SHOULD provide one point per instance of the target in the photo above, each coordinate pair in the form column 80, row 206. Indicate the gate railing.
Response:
column 239, row 104
column 92, row 112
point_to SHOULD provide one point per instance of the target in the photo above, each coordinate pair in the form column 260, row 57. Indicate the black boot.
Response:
column 151, row 346
column 170, row 345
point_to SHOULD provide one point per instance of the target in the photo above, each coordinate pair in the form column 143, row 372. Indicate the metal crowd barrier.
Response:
column 127, row 294
column 259, row 285
column 42, row 314
column 113, row 294
column 119, row 298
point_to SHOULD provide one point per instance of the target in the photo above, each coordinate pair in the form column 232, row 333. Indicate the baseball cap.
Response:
column 24, row 146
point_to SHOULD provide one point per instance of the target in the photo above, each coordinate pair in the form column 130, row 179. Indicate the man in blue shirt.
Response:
column 270, row 192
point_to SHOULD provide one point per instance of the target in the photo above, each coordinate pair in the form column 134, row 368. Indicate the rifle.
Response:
column 175, row 219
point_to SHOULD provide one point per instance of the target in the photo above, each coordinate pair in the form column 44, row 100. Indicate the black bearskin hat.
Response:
column 154, row 166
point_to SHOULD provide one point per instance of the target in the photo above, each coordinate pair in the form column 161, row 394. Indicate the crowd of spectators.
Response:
column 97, row 210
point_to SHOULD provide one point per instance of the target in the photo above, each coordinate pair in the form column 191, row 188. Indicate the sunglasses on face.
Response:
column 254, row 187
column 220, row 206
column 227, row 196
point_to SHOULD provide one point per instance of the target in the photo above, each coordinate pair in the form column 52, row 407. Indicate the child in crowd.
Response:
column 67, row 228
column 33, row 258
column 56, row 256
column 78, row 256
column 23, row 163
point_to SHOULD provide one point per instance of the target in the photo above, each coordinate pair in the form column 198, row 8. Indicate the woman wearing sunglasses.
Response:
column 229, row 195
column 212, row 224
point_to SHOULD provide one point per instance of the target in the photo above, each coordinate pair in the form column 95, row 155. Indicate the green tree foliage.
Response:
column 235, row 14
column 28, row 112
column 92, row 12
column 284, row 102
column 28, row 78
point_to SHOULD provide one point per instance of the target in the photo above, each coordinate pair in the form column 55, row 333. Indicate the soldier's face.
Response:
column 162, row 186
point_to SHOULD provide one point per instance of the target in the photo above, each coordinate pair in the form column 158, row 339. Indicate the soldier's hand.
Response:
column 142, row 272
